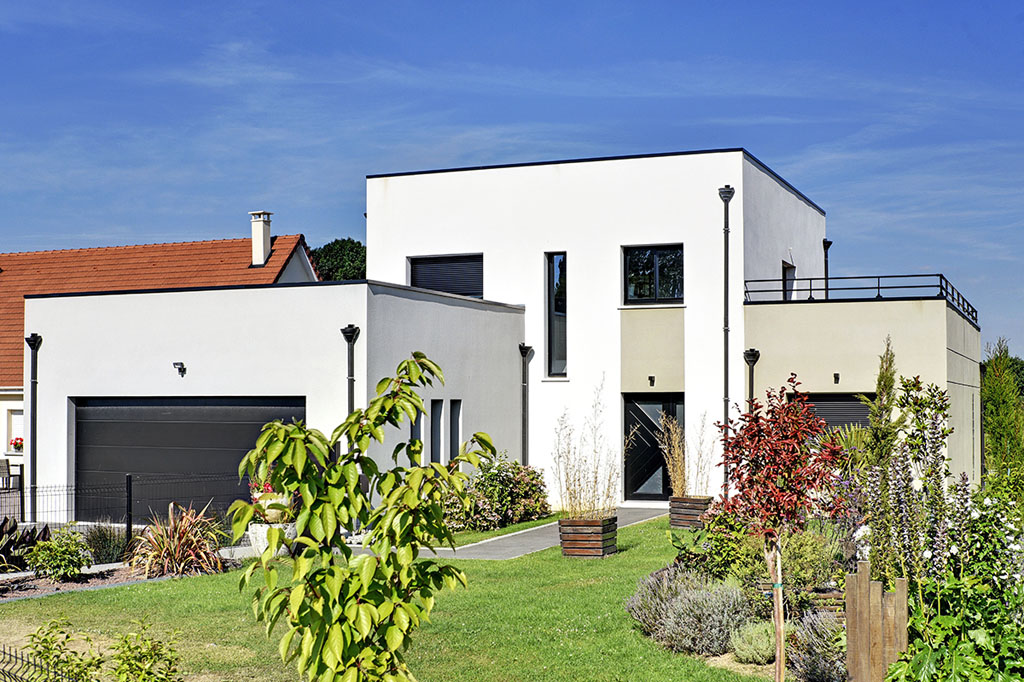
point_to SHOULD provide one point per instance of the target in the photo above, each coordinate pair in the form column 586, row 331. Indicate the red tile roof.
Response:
column 222, row 262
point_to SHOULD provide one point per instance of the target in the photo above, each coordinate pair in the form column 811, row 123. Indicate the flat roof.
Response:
column 593, row 159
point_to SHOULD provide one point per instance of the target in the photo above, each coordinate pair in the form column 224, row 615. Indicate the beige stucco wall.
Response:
column 963, row 378
column 817, row 340
column 652, row 344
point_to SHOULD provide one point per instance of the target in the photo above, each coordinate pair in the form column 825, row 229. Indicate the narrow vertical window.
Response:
column 556, row 310
column 436, row 429
column 454, row 428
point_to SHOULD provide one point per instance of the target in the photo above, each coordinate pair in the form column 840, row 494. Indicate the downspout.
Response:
column 825, row 244
column 351, row 333
column 725, row 193
column 524, row 351
column 34, row 341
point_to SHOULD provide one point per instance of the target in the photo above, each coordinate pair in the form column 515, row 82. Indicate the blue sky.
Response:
column 143, row 122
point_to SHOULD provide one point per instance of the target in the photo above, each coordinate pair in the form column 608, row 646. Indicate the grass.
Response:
column 537, row 618
column 468, row 537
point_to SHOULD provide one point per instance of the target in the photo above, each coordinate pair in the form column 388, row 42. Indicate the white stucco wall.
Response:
column 297, row 269
column 590, row 210
column 262, row 341
column 779, row 225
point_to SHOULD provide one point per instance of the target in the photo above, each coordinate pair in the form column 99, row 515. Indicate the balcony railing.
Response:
column 865, row 288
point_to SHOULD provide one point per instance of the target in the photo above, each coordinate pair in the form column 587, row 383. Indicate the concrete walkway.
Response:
column 532, row 540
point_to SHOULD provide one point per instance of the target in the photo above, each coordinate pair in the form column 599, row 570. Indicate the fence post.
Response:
column 876, row 625
column 127, row 512
column 21, row 494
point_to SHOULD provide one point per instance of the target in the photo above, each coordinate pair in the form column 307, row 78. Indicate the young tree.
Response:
column 340, row 260
column 1003, row 414
column 883, row 427
column 783, row 469
column 351, row 616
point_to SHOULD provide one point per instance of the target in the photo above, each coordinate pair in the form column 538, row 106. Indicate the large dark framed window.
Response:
column 556, row 313
column 463, row 275
column 653, row 274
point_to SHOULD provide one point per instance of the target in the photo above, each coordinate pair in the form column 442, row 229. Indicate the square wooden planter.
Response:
column 685, row 512
column 592, row 538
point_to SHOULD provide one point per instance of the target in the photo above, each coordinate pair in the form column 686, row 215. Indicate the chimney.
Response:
column 260, row 237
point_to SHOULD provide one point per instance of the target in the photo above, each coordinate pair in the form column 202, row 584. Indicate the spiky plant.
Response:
column 183, row 544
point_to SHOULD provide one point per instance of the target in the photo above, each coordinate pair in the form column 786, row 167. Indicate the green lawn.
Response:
column 539, row 617
column 468, row 537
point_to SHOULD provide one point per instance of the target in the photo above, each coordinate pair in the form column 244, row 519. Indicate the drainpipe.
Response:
column 725, row 193
column 351, row 333
column 751, row 355
column 524, row 351
column 825, row 244
column 34, row 341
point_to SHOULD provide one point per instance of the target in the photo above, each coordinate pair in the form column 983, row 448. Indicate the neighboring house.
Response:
column 621, row 265
column 260, row 260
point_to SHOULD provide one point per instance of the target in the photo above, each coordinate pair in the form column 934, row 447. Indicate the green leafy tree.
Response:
column 350, row 616
column 342, row 259
column 1003, row 414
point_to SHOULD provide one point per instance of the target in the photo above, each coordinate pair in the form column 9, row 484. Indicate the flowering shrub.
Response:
column 501, row 493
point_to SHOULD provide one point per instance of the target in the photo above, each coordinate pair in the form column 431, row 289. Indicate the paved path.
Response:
column 508, row 546
column 535, row 539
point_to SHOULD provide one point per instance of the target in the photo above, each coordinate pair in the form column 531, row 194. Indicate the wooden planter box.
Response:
column 593, row 538
column 685, row 512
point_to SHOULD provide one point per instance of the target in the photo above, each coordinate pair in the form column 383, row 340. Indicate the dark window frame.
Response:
column 655, row 248
column 550, row 312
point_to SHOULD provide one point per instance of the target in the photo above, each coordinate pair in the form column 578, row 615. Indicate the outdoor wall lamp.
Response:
column 835, row 378
column 751, row 356
column 180, row 366
column 650, row 380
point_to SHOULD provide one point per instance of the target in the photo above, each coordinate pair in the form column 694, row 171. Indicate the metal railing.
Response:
column 17, row 666
column 866, row 287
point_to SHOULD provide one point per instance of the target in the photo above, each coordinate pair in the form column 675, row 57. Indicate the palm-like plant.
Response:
column 184, row 544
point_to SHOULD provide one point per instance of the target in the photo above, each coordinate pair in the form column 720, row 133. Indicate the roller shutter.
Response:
column 463, row 275
column 840, row 409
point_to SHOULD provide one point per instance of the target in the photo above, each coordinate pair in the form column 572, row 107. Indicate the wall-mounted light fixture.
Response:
column 751, row 356
column 835, row 378
column 650, row 380
column 180, row 366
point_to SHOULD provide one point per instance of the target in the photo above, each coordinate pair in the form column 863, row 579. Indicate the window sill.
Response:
column 649, row 306
column 556, row 380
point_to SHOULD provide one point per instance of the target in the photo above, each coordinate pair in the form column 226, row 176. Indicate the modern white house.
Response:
column 647, row 277
column 670, row 283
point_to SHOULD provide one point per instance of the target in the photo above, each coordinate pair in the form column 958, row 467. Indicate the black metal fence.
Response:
column 130, row 502
column 17, row 666
column 859, row 288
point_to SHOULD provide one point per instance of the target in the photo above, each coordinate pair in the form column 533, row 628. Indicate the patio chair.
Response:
column 5, row 475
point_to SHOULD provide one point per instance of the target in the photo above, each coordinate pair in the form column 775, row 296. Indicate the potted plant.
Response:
column 17, row 444
column 273, row 509
column 685, row 509
column 588, row 474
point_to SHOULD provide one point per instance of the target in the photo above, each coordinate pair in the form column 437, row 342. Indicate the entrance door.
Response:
column 646, row 476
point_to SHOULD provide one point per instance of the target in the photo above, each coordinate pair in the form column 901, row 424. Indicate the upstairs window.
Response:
column 654, row 274
column 463, row 275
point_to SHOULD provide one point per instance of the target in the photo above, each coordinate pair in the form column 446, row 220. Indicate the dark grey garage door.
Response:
column 181, row 449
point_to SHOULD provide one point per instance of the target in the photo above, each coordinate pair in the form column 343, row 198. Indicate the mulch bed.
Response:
column 31, row 586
